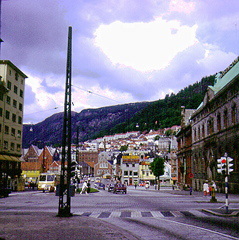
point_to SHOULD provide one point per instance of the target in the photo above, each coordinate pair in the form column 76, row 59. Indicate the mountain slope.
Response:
column 89, row 122
column 93, row 123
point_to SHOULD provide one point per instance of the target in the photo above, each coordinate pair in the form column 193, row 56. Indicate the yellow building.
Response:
column 145, row 174
column 12, row 83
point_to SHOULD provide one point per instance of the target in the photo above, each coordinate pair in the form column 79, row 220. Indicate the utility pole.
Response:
column 64, row 209
column 0, row 26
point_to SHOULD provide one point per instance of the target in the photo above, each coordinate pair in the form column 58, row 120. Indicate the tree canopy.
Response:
column 157, row 167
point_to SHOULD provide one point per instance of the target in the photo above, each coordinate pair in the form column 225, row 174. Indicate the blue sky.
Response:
column 123, row 50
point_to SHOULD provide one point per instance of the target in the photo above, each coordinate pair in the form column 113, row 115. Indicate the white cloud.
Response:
column 144, row 46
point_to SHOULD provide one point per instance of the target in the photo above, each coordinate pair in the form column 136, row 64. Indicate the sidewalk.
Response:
column 39, row 226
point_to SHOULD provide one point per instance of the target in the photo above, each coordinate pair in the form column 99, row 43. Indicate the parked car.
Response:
column 120, row 188
column 111, row 187
column 99, row 186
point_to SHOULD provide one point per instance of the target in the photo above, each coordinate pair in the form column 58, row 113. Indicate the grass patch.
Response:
column 92, row 190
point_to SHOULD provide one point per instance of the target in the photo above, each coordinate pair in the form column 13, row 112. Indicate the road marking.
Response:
column 141, row 214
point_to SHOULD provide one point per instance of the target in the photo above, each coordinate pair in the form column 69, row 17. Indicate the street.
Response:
column 146, row 214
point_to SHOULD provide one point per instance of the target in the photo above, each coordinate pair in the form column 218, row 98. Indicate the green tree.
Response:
column 123, row 148
column 157, row 167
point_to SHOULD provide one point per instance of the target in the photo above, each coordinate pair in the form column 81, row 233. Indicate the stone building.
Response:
column 215, row 130
column 12, row 84
column 184, row 153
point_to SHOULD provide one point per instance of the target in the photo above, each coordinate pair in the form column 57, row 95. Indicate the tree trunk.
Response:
column 158, row 183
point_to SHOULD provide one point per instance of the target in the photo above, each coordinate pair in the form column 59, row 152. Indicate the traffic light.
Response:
column 229, row 165
column 73, row 169
column 222, row 165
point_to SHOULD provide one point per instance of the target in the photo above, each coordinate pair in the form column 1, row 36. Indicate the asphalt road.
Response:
column 146, row 214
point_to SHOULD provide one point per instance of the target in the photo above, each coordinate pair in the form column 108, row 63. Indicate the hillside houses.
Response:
column 102, row 157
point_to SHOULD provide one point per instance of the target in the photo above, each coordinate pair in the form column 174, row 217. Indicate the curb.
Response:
column 216, row 213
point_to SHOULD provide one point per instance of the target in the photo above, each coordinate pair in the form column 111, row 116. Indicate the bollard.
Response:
column 213, row 196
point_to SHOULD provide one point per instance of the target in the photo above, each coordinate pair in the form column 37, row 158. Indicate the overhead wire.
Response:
column 91, row 92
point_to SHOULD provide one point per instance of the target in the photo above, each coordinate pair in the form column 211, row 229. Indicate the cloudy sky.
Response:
column 123, row 50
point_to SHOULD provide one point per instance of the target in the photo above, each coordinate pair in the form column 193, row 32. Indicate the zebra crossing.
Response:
column 142, row 214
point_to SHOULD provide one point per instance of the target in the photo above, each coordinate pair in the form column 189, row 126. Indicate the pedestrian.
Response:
column 88, row 186
column 84, row 188
column 135, row 184
column 205, row 188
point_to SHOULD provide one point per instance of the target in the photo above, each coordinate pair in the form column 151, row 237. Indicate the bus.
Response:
column 47, row 182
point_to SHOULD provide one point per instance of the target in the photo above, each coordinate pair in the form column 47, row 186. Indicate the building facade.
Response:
column 130, row 168
column 215, row 130
column 12, row 84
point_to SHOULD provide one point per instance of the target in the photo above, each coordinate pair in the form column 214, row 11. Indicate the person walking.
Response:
column 88, row 187
column 84, row 188
column 206, row 188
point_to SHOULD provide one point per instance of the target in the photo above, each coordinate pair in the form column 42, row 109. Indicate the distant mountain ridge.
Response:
column 89, row 122
column 93, row 123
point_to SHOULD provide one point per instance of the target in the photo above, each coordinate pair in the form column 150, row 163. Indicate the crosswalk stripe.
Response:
column 141, row 214
column 157, row 214
column 136, row 214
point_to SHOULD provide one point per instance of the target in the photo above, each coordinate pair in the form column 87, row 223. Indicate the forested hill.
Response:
column 93, row 123
column 166, row 112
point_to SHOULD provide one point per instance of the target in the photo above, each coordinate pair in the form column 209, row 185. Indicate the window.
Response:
column 13, row 131
column 130, row 173
column 21, row 93
column 8, row 100
column 10, row 72
column 135, row 173
column 0, row 112
column 19, row 120
column 7, row 114
column 203, row 131
column 20, row 106
column 234, row 114
column 219, row 126
column 1, row 96
column 12, row 146
column 18, row 147
column 210, row 125
column 15, row 89
column 225, row 119
column 0, row 127
column 19, row 133
column 5, row 145
column 9, row 85
column 14, row 103
column 6, row 130
column 16, row 76
column 14, row 117
column 126, row 173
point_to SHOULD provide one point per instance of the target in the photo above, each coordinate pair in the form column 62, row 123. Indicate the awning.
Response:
column 9, row 158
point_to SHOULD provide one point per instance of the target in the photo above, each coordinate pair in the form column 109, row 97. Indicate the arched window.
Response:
column 203, row 131
column 210, row 126
column 219, row 125
column 234, row 114
column 225, row 119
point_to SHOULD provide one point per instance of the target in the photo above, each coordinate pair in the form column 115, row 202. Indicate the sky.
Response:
column 123, row 51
